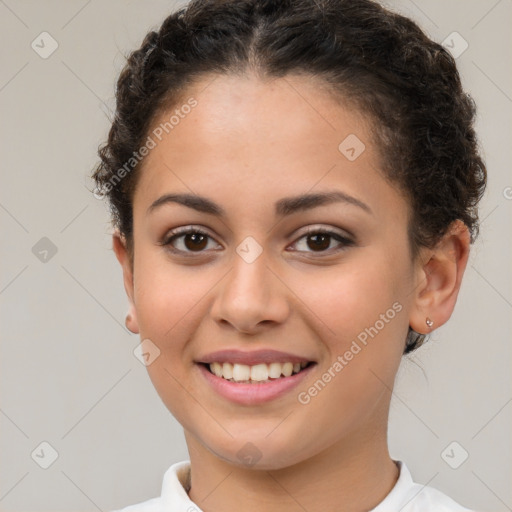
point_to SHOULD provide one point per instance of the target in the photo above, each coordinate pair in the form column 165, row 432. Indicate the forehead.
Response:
column 244, row 134
column 279, row 109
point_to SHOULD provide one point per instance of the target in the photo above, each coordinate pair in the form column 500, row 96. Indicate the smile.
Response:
column 242, row 373
column 255, row 384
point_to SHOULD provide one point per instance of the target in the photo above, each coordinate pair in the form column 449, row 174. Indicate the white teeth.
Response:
column 256, row 373
column 241, row 372
column 274, row 370
column 259, row 372
column 227, row 371
column 287, row 369
column 216, row 368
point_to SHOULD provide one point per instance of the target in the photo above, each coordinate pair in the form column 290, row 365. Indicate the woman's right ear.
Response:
column 119, row 246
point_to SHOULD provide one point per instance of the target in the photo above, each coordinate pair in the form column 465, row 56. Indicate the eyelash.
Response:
column 180, row 232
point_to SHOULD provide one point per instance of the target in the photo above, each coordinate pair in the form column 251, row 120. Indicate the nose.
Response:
column 251, row 297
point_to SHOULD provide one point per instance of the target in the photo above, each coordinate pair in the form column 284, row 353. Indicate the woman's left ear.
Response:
column 438, row 279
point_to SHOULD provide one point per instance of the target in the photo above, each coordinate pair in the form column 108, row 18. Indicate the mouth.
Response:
column 256, row 374
column 250, row 378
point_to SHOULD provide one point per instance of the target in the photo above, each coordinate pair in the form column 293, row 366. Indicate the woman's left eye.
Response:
column 319, row 240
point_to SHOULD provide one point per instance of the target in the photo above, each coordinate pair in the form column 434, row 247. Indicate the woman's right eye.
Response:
column 187, row 240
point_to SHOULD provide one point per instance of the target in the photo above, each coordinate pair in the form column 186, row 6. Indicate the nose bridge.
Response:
column 250, row 295
column 249, row 277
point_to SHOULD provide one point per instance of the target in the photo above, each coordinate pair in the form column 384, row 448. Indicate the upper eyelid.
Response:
column 318, row 227
column 190, row 228
column 310, row 229
column 315, row 228
column 184, row 230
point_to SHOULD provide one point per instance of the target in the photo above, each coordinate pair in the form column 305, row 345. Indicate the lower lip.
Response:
column 257, row 393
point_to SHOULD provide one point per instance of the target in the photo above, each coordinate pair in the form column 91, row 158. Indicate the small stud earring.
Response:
column 429, row 322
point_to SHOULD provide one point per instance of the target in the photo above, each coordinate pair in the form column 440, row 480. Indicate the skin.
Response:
column 244, row 134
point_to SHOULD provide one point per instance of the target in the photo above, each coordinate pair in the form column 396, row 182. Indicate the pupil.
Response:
column 198, row 241
column 319, row 241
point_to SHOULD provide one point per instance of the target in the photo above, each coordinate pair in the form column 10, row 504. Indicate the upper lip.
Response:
column 252, row 357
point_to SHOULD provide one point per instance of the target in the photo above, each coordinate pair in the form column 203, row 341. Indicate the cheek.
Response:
column 352, row 297
column 365, row 322
column 361, row 306
column 168, row 301
column 168, row 296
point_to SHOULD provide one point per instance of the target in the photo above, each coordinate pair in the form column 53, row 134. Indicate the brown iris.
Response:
column 197, row 241
column 320, row 241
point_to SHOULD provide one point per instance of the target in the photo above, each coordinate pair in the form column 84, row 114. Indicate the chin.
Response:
column 252, row 452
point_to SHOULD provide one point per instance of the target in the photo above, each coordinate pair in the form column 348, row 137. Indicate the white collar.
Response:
column 406, row 495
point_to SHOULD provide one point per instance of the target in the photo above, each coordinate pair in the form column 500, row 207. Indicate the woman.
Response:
column 294, row 187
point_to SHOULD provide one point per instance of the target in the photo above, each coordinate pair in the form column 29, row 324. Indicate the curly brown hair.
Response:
column 380, row 61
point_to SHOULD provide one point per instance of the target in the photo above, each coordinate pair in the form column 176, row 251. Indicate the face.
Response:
column 255, row 278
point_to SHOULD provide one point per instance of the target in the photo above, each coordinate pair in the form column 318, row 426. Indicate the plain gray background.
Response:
column 68, row 373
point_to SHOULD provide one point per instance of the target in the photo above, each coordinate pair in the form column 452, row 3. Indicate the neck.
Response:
column 353, row 475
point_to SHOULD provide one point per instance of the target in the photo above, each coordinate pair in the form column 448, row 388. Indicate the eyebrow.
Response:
column 283, row 207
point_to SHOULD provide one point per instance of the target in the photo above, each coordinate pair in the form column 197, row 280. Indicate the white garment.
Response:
column 406, row 496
